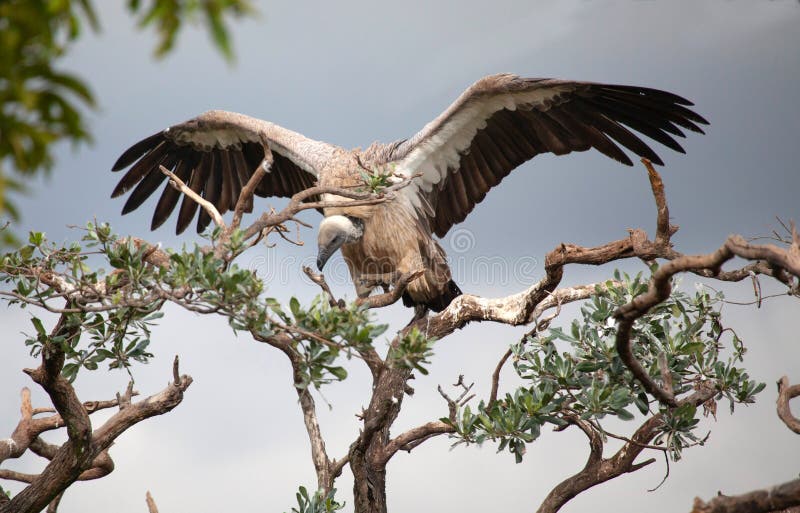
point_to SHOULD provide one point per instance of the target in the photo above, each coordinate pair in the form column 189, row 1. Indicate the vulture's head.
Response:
column 335, row 231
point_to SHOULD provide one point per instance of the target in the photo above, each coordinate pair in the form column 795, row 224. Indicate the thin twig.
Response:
column 496, row 378
column 246, row 195
column 209, row 207
column 151, row 503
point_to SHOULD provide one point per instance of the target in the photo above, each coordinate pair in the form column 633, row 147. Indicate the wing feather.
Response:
column 217, row 152
column 503, row 120
column 149, row 184
column 169, row 198
column 188, row 205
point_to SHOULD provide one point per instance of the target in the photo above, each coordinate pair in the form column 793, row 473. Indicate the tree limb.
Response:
column 151, row 503
column 777, row 498
column 785, row 394
column 405, row 441
column 599, row 470
column 82, row 450
column 28, row 429
column 319, row 455
column 661, row 287
column 394, row 295
column 245, row 200
column 496, row 379
column 206, row 205
column 296, row 203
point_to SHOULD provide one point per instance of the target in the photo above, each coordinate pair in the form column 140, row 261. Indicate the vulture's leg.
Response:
column 420, row 312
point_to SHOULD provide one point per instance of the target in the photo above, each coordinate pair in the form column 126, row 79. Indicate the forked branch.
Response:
column 84, row 455
column 660, row 288
column 599, row 470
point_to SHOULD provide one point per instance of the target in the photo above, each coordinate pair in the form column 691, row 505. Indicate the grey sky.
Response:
column 353, row 72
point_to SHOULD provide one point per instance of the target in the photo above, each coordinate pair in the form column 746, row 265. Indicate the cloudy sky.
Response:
column 353, row 72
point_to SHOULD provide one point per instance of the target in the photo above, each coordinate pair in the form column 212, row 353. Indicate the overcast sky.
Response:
column 353, row 72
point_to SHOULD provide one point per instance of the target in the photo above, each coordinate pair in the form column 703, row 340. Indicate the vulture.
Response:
column 498, row 123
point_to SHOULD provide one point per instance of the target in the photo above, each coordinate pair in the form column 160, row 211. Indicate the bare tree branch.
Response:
column 245, row 201
column 319, row 279
column 496, row 379
column 780, row 497
column 405, row 440
column 84, row 454
column 206, row 205
column 151, row 503
column 785, row 394
column 297, row 203
column 394, row 295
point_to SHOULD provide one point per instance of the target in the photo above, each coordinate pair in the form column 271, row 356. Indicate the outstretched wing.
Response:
column 503, row 120
column 215, row 154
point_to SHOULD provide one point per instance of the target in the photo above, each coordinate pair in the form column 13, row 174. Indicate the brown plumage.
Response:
column 497, row 124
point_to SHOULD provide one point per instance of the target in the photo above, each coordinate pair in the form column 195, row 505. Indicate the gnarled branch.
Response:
column 84, row 454
column 775, row 499
column 786, row 393
column 599, row 470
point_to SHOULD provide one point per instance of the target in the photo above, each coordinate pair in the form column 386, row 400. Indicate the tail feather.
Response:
column 437, row 304
column 451, row 291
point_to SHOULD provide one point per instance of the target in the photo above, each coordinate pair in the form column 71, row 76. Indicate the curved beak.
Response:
column 326, row 250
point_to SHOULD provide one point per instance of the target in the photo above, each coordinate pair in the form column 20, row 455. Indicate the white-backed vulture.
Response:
column 497, row 124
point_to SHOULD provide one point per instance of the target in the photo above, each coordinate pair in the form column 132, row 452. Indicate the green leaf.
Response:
column 37, row 324
column 339, row 372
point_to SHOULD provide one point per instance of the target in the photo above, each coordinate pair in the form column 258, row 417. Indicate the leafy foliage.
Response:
column 167, row 16
column 590, row 382
column 319, row 502
column 413, row 351
column 116, row 310
column 323, row 332
column 42, row 104
column 570, row 375
column 377, row 180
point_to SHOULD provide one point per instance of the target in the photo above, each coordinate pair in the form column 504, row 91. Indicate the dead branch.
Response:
column 101, row 466
column 245, row 201
column 84, row 454
column 415, row 436
column 777, row 498
column 663, row 229
column 299, row 202
column 785, row 394
column 396, row 292
column 496, row 379
column 411, row 438
column 206, row 205
column 26, row 434
column 319, row 279
column 151, row 503
column 521, row 308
